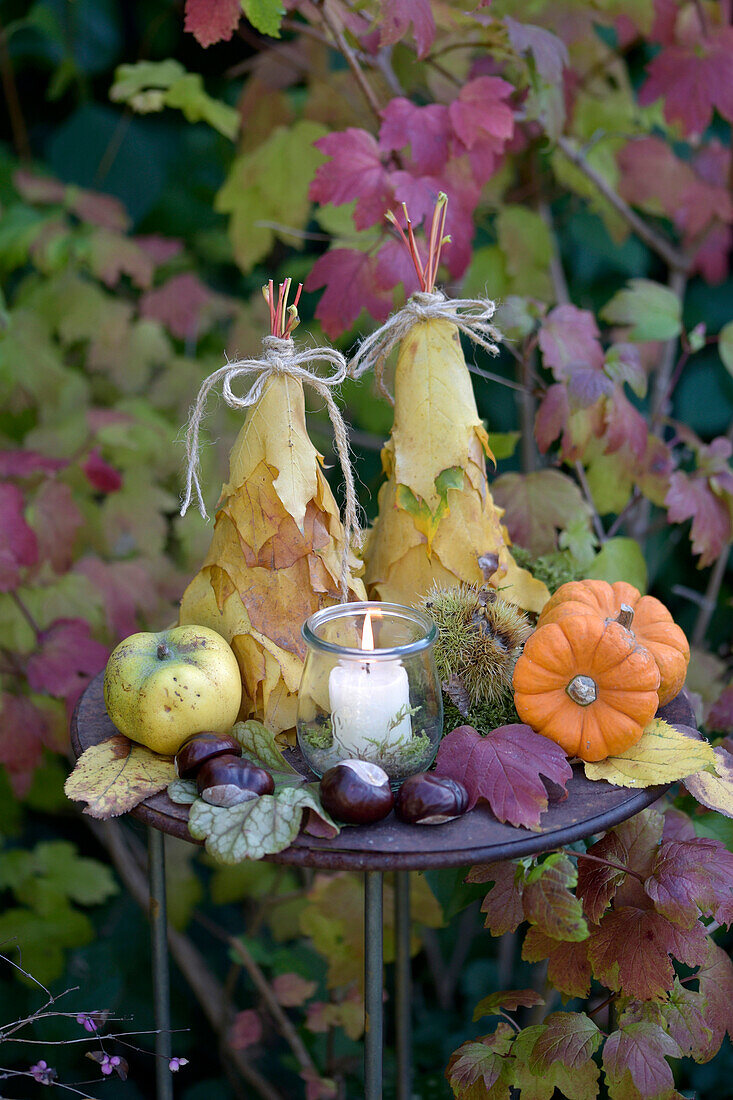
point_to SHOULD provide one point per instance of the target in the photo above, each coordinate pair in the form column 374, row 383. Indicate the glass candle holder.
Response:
column 370, row 689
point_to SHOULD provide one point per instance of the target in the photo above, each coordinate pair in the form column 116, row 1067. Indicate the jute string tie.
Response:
column 471, row 316
column 279, row 357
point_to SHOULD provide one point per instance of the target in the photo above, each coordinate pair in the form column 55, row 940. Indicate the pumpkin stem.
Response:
column 583, row 690
column 625, row 616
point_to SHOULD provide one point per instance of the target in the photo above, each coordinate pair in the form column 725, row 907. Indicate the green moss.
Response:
column 553, row 569
column 483, row 716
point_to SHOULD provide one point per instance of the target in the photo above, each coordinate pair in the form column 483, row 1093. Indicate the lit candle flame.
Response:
column 367, row 636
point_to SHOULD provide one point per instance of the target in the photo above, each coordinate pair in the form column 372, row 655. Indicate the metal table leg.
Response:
column 403, row 983
column 161, row 983
column 373, row 985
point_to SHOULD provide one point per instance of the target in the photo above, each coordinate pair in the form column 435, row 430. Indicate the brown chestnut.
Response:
column 356, row 792
column 227, row 780
column 202, row 747
column 427, row 799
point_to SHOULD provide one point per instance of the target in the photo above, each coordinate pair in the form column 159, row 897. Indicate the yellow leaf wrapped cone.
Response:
column 436, row 516
column 278, row 551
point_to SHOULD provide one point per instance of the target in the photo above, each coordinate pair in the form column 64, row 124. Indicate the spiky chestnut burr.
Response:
column 480, row 637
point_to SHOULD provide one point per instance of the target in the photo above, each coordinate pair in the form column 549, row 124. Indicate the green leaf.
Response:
column 620, row 559
column 256, row 828
column 152, row 85
column 534, row 1083
column 262, row 187
column 538, row 505
column 507, row 1001
column 549, row 903
column 426, row 521
column 479, row 1069
column 42, row 939
column 183, row 792
column 525, row 241
column 610, row 483
column 653, row 311
column 55, row 870
column 503, row 444
column 264, row 15
column 259, row 746
column 725, row 346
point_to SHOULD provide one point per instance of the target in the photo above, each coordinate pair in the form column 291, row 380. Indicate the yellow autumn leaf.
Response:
column 436, row 516
column 714, row 789
column 275, row 432
column 275, row 554
column 663, row 755
column 115, row 775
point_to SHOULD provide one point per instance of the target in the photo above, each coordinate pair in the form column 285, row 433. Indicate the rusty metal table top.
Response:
column 477, row 837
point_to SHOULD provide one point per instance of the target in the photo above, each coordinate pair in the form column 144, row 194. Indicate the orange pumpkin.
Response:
column 586, row 684
column 654, row 627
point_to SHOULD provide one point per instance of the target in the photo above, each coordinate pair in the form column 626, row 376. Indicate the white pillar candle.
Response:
column 370, row 703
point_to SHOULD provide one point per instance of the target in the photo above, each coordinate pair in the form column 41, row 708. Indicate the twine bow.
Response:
column 279, row 357
column 471, row 316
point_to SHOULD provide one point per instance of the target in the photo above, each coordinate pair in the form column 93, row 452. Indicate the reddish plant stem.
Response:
column 12, row 99
column 597, row 524
column 351, row 59
column 26, row 614
column 605, row 862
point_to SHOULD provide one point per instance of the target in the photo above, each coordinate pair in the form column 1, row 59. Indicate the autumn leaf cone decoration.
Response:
column 279, row 550
column 436, row 516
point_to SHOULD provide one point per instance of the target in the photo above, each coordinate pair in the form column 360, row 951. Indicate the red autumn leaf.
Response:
column 212, row 21
column 569, row 340
column 549, row 52
column 721, row 713
column 549, row 902
column 678, row 826
column 568, row 968
column 480, row 114
column 425, row 129
column 685, row 1014
column 23, row 730
column 395, row 266
column 505, row 769
column 99, row 473
column 112, row 255
column 692, row 875
column 715, row 978
column 245, row 1030
column 623, row 364
column 160, row 249
column 23, row 464
column 56, row 520
column 66, row 660
column 570, row 1038
column 503, row 903
column 640, row 1050
column 18, row 543
column 626, row 428
column 693, row 79
column 351, row 282
column 127, row 589
column 97, row 209
column 185, row 305
column 587, row 385
column 597, row 882
column 39, row 190
column 355, row 171
column 397, row 15
column 691, row 498
column 641, row 836
column 552, row 416
column 631, row 951
column 292, row 989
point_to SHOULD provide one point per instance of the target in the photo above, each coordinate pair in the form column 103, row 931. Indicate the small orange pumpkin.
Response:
column 586, row 684
column 654, row 627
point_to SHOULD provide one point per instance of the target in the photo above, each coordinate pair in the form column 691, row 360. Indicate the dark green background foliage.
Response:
column 141, row 210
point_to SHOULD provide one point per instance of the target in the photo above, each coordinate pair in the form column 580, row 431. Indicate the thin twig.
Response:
column 663, row 386
column 557, row 273
column 265, row 990
column 26, row 613
column 655, row 240
column 204, row 985
column 605, row 862
column 710, row 600
column 17, row 122
column 597, row 524
column 351, row 60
